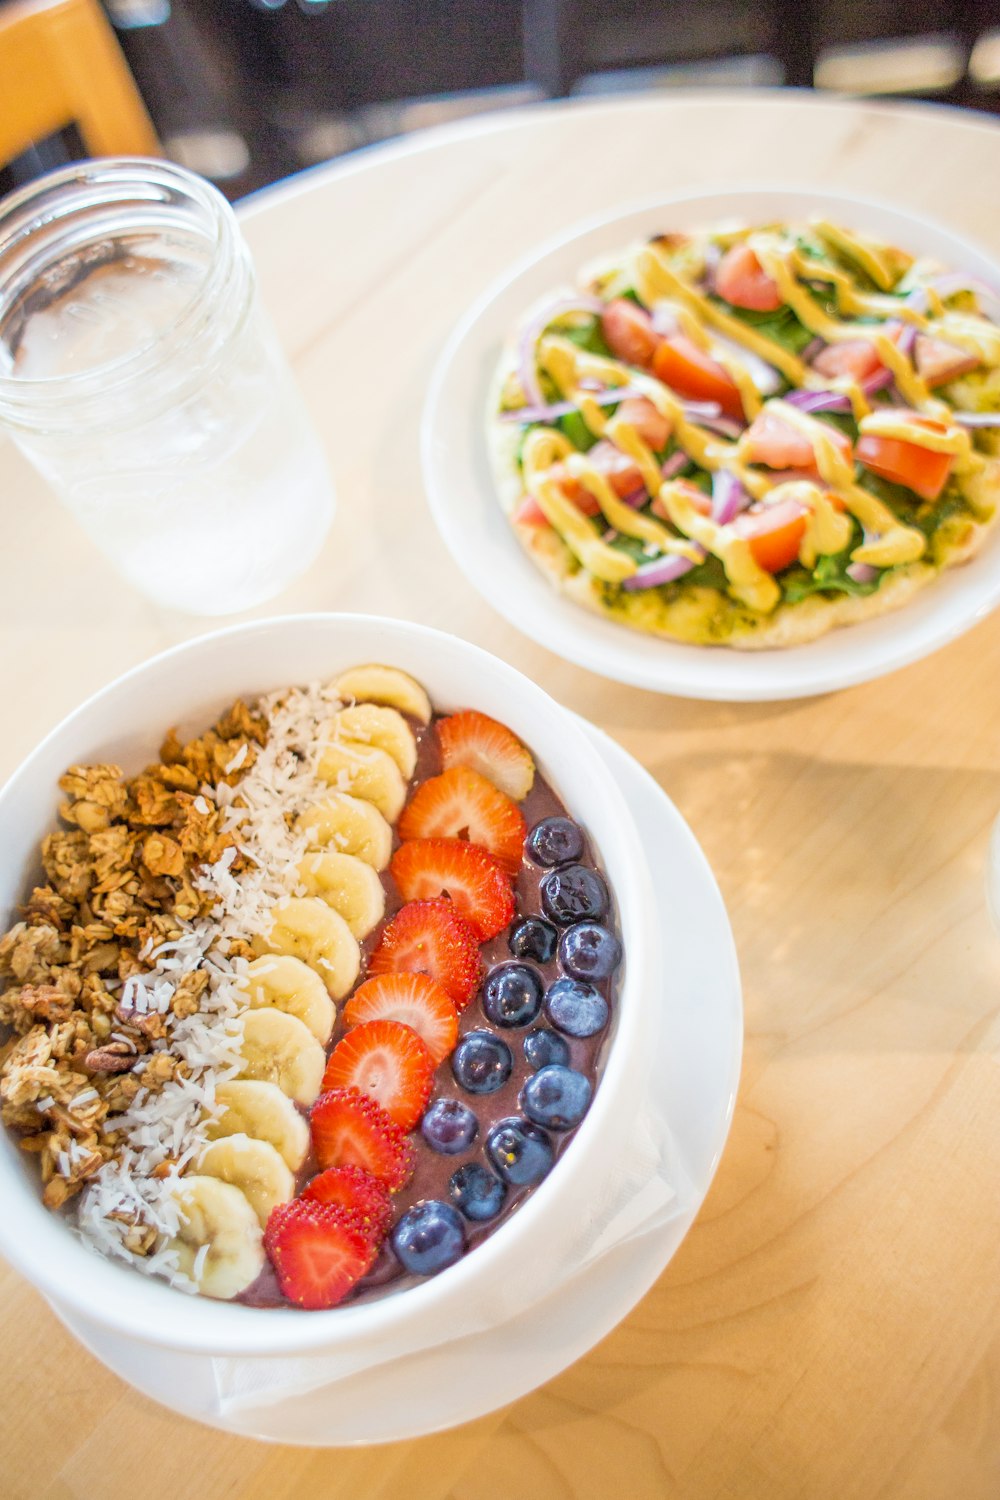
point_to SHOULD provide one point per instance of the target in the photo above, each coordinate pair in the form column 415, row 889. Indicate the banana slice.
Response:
column 262, row 1111
column 217, row 1215
column 348, row 885
column 277, row 1048
column 351, row 826
column 380, row 684
column 371, row 724
column 255, row 1167
column 290, row 985
column 365, row 771
column 307, row 928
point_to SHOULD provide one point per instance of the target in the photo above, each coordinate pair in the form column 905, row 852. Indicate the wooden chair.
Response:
column 60, row 65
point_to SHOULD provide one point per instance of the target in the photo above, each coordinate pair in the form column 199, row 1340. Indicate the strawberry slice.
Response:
column 475, row 740
column 350, row 1130
column 461, row 804
column 430, row 937
column 357, row 1191
column 473, row 879
column 318, row 1251
column 389, row 1063
column 415, row 1000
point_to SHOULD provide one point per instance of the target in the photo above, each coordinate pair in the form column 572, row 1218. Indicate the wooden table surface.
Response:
column 829, row 1330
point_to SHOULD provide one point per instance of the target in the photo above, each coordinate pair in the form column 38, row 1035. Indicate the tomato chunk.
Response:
column 772, row 441
column 681, row 365
column 742, row 280
column 938, row 362
column 854, row 357
column 774, row 532
column 919, row 469
column 629, row 333
column 528, row 512
column 651, row 425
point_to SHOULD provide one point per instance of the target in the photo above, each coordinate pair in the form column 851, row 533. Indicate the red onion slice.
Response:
column 664, row 319
column 815, row 346
column 957, row 281
column 978, row 418
column 544, row 413
column 836, row 401
column 675, row 464
column 906, row 339
column 728, row 497
column 764, row 376
column 861, row 572
column 663, row 570
column 724, row 426
column 527, row 372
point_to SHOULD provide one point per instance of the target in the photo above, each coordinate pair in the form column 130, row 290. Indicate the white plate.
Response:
column 468, row 515
column 698, row 1069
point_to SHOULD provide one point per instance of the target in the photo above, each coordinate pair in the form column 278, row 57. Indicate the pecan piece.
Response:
column 116, row 1057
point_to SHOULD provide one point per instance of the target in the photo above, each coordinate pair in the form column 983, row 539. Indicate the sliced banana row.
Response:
column 219, row 1244
column 385, row 729
column 263, row 1112
column 376, row 683
column 255, row 1167
column 288, row 984
column 371, row 753
column 308, row 959
column 306, row 928
column 277, row 1048
column 347, row 884
column 348, row 825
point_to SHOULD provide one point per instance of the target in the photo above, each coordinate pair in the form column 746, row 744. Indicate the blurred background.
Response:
column 248, row 91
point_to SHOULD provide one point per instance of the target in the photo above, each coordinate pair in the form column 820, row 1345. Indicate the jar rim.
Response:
column 34, row 222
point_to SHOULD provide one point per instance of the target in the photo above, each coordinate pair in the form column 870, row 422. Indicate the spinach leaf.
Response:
column 783, row 327
column 829, row 576
column 587, row 335
column 576, row 429
column 710, row 574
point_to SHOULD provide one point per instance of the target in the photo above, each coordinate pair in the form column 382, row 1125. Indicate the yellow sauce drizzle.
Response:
column 622, row 517
column 881, row 263
column 748, row 582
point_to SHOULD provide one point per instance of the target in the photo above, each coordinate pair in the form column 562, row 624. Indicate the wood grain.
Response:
column 830, row 1330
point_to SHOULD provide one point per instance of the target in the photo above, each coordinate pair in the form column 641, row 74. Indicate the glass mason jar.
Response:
column 139, row 375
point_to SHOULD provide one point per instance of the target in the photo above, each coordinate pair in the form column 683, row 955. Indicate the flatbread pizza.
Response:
column 747, row 437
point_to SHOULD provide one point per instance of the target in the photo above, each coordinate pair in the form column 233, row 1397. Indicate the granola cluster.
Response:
column 120, row 880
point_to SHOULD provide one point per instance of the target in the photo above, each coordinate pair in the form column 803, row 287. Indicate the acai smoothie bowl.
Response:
column 324, row 967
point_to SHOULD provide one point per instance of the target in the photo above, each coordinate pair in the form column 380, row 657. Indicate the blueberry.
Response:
column 543, row 1046
column 428, row 1237
column 477, row 1192
column 576, row 1007
column 556, row 1097
column 512, row 995
column 589, row 951
column 574, row 894
column 481, row 1062
column 534, row 938
column 554, row 841
column 521, row 1153
column 449, row 1126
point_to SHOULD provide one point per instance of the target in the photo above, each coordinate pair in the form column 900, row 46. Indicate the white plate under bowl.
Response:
column 464, row 503
column 696, row 1076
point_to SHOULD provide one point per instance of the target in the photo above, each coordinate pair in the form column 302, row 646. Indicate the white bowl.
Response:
column 188, row 686
column 468, row 515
